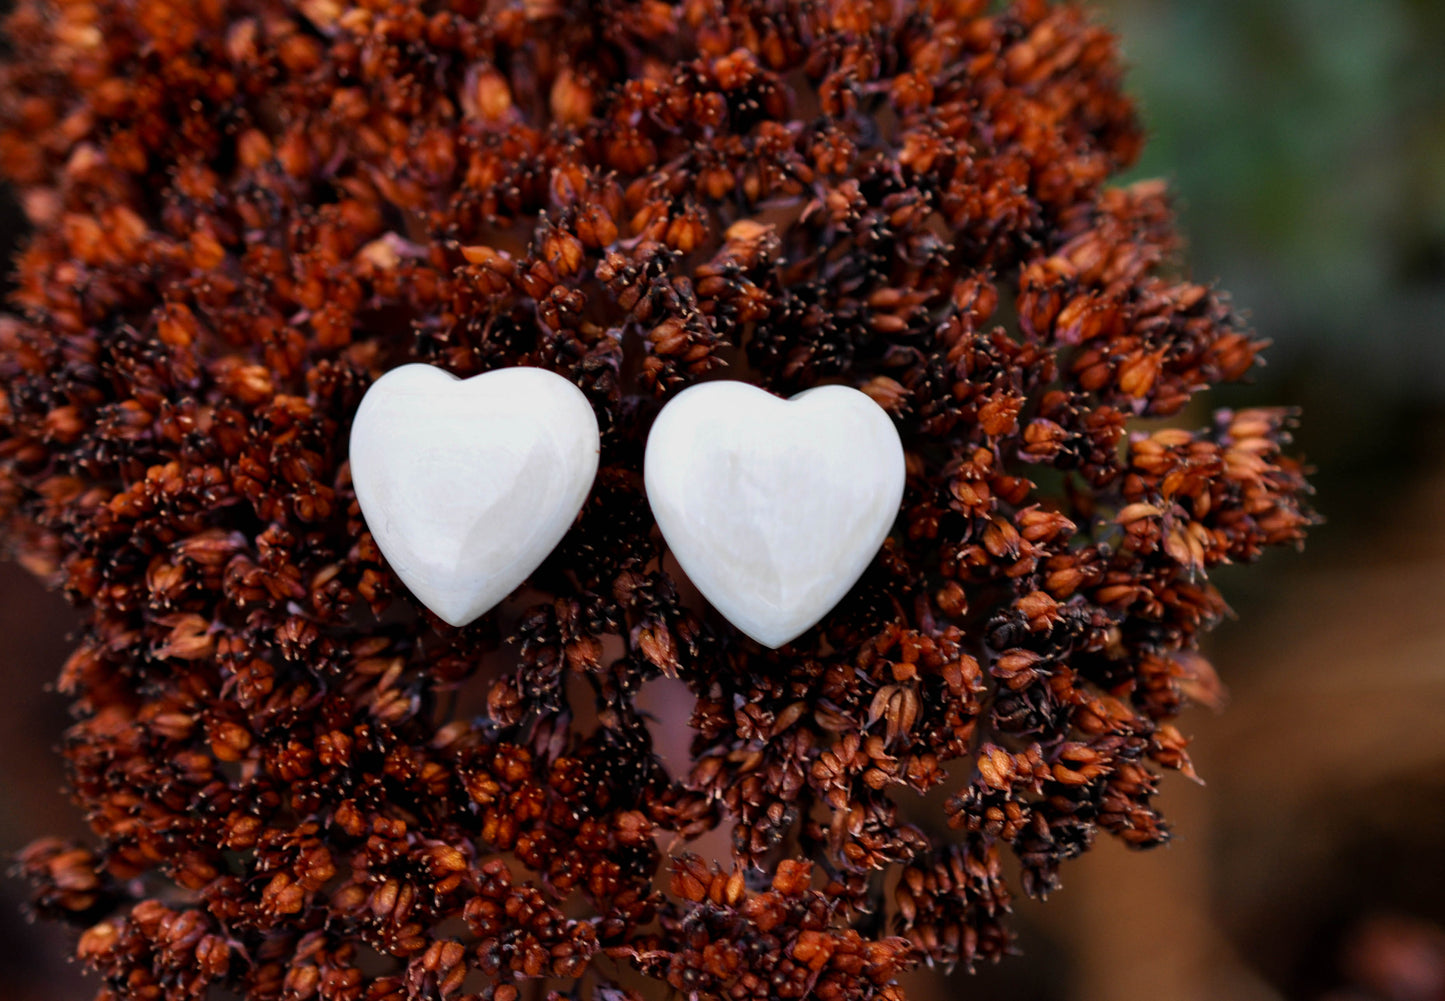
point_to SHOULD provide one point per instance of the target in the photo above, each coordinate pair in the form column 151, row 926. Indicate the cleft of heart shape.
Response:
column 773, row 507
column 467, row 485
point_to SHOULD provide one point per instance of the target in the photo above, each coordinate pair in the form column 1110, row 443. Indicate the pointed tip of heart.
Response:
column 456, row 618
column 773, row 634
column 773, row 640
column 453, row 606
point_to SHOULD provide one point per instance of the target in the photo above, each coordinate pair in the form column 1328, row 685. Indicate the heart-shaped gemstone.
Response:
column 467, row 485
column 773, row 507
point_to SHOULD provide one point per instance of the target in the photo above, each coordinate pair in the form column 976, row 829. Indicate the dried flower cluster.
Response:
column 303, row 785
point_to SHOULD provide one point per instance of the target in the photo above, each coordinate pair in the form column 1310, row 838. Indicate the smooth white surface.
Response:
column 774, row 508
column 467, row 485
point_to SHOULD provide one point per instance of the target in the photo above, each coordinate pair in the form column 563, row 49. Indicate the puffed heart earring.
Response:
column 773, row 507
column 467, row 485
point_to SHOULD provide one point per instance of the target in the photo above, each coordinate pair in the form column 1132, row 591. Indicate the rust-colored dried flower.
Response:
column 303, row 785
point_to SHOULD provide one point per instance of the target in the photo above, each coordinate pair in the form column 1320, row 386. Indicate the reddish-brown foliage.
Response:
column 301, row 784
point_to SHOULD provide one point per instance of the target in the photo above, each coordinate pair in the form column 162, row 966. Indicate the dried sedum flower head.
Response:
column 303, row 785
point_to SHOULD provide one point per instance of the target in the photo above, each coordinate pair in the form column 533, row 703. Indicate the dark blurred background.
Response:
column 1305, row 140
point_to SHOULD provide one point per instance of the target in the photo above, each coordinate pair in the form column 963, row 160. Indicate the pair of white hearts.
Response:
column 773, row 508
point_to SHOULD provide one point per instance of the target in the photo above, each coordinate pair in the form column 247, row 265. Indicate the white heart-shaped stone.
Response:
column 773, row 507
column 467, row 485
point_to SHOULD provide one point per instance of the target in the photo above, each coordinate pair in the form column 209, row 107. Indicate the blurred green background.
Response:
column 1305, row 140
column 1306, row 143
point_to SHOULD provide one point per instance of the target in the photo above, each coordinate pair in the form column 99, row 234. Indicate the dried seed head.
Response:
column 328, row 791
